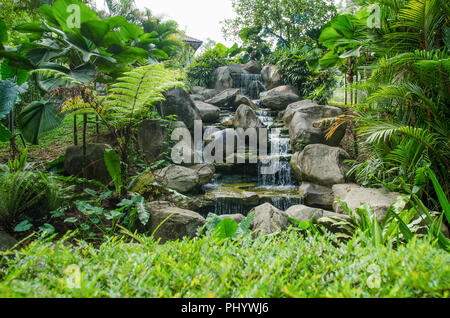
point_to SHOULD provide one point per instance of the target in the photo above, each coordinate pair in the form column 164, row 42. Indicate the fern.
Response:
column 65, row 79
column 135, row 93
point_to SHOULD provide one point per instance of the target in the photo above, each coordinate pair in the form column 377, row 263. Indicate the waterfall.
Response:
column 251, row 85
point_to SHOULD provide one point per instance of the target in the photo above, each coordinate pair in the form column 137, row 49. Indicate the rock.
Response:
column 6, row 241
column 252, row 67
column 233, row 196
column 302, row 127
column 236, row 68
column 152, row 136
column 280, row 97
column 271, row 76
column 305, row 213
column 205, row 172
column 206, row 93
column 94, row 168
column 225, row 98
column 209, row 113
column 196, row 97
column 178, row 102
column 241, row 99
column 245, row 117
column 222, row 78
column 236, row 217
column 379, row 199
column 268, row 219
column 181, row 223
column 291, row 109
column 320, row 164
column 316, row 195
column 178, row 178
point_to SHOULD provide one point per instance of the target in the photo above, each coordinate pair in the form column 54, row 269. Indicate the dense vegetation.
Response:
column 62, row 85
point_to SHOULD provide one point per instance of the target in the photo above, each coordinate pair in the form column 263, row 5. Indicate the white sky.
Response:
column 198, row 18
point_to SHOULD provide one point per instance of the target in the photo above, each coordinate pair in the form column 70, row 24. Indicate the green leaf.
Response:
column 47, row 229
column 8, row 96
column 225, row 229
column 38, row 118
column 95, row 31
column 5, row 134
column 71, row 220
column 130, row 32
column 440, row 194
column 3, row 32
column 113, row 164
column 23, row 226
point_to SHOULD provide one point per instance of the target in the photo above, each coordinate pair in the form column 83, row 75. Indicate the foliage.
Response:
column 286, row 22
column 286, row 265
column 225, row 228
column 25, row 193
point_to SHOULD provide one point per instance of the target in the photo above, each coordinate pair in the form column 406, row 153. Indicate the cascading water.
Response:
column 278, row 188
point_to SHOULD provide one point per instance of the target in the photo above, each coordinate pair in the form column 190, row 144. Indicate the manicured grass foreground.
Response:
column 283, row 266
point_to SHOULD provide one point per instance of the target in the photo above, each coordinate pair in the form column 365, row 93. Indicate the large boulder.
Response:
column 280, row 97
column 6, row 241
column 316, row 195
column 355, row 195
column 291, row 109
column 206, row 93
column 303, row 213
column 252, row 67
column 152, row 136
column 205, row 172
column 245, row 117
column 268, row 219
column 225, row 98
column 178, row 223
column 179, row 178
column 93, row 168
column 209, row 113
column 320, row 164
column 303, row 129
column 271, row 76
column 178, row 102
column 222, row 78
column 241, row 99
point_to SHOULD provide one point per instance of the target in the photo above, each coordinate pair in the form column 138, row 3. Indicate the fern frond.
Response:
column 65, row 79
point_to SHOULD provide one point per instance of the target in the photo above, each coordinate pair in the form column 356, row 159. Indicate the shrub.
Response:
column 201, row 71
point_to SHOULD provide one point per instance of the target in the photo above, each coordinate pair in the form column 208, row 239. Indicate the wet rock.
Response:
column 209, row 113
column 241, row 99
column 355, row 195
column 316, row 195
column 181, row 223
column 271, row 76
column 268, row 219
column 320, row 164
column 94, row 168
column 280, row 97
column 245, row 117
column 225, row 98
column 205, row 172
column 206, row 93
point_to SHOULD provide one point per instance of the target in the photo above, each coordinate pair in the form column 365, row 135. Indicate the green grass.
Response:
column 284, row 266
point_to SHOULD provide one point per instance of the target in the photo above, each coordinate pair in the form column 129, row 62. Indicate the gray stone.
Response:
column 316, row 195
column 197, row 97
column 320, row 164
column 252, row 67
column 271, row 76
column 268, row 219
column 303, row 129
column 209, row 113
column 6, row 241
column 280, row 97
column 179, row 103
column 152, row 136
column 236, row 217
column 241, row 99
column 94, row 168
column 181, row 223
column 222, row 78
column 225, row 98
column 245, row 117
column 178, row 178
column 303, row 213
column 206, row 93
column 205, row 172
column 291, row 109
column 355, row 195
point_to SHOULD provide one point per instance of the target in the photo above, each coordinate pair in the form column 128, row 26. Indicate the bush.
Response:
column 200, row 72
column 287, row 265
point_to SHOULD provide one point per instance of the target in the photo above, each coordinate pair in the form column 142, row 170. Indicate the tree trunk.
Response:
column 84, row 144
